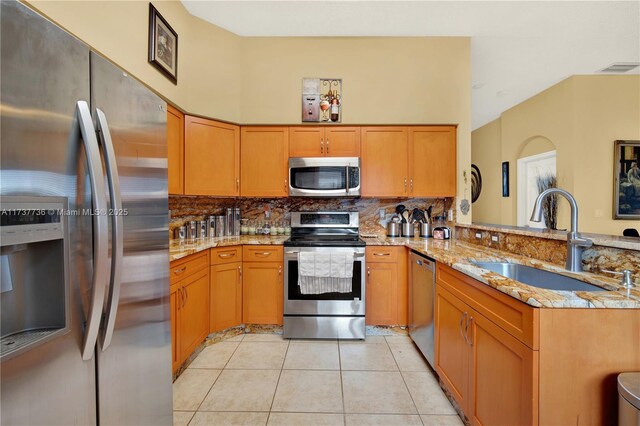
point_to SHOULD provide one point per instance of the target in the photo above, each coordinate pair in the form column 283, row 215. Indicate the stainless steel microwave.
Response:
column 324, row 177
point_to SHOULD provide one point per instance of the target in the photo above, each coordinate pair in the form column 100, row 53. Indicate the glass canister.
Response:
column 212, row 226
column 252, row 227
column 220, row 226
column 236, row 222
column 229, row 222
column 244, row 226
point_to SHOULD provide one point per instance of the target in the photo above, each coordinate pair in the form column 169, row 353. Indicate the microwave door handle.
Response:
column 100, row 226
column 117, row 231
column 347, row 178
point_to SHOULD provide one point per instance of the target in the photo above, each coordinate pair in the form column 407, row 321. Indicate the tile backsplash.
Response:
column 186, row 208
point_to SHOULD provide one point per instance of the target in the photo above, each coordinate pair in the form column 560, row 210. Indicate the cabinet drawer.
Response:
column 222, row 255
column 515, row 317
column 183, row 268
column 382, row 254
column 262, row 254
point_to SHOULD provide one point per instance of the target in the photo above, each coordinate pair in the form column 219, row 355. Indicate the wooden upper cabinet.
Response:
column 212, row 158
column 342, row 141
column 384, row 162
column 175, row 150
column 324, row 142
column 432, row 161
column 264, row 158
column 306, row 142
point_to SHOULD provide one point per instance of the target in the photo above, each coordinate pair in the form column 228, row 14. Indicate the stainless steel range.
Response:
column 324, row 264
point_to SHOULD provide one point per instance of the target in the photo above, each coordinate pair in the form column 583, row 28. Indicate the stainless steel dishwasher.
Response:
column 422, row 293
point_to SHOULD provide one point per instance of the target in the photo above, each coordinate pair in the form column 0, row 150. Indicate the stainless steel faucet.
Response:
column 575, row 243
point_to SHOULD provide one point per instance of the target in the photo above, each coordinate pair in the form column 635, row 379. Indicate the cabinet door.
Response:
column 381, row 293
column 306, row 142
column 262, row 293
column 384, row 162
column 502, row 381
column 342, row 142
column 175, row 301
column 175, row 150
column 265, row 155
column 432, row 158
column 451, row 349
column 212, row 158
column 194, row 314
column 225, row 296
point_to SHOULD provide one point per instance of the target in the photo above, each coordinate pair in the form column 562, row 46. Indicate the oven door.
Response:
column 296, row 303
column 324, row 177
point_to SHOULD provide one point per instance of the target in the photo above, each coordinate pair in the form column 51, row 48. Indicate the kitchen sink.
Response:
column 537, row 277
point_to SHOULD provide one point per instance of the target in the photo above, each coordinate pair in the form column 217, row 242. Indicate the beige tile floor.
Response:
column 263, row 379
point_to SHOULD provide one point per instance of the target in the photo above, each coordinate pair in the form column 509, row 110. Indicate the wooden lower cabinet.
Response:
column 386, row 286
column 226, row 296
column 262, row 293
column 189, row 300
column 491, row 375
column 175, row 344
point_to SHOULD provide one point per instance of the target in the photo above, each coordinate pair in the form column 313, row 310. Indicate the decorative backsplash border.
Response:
column 595, row 259
column 187, row 208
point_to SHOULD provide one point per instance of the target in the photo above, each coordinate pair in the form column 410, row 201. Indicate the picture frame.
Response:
column 163, row 45
column 505, row 178
column 626, row 180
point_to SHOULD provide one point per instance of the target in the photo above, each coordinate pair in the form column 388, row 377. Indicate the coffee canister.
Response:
column 407, row 229
column 211, row 226
column 442, row 233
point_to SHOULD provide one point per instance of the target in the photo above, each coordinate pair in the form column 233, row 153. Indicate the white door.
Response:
column 529, row 168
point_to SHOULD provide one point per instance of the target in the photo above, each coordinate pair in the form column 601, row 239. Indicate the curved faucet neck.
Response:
column 570, row 199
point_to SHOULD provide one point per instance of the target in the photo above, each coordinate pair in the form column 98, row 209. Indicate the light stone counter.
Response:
column 459, row 256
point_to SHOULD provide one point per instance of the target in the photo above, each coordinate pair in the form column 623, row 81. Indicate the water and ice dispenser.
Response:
column 34, row 284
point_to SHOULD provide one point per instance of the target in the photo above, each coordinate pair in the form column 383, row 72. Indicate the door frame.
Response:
column 521, row 200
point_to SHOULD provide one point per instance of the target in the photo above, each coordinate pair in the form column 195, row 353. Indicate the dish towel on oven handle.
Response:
column 320, row 273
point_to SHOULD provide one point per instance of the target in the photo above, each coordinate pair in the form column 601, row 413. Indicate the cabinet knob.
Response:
column 286, row 185
column 411, row 185
column 405, row 184
column 279, row 270
column 240, row 270
column 237, row 184
column 321, row 146
column 327, row 146
column 368, row 271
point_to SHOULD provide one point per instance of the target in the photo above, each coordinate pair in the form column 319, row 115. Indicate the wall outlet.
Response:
column 450, row 215
column 495, row 239
column 382, row 214
column 479, row 235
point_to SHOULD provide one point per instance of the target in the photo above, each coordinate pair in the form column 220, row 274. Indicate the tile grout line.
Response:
column 216, row 380
column 275, row 391
column 344, row 411
column 404, row 381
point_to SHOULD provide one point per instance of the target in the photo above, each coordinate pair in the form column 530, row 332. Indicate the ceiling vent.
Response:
column 620, row 67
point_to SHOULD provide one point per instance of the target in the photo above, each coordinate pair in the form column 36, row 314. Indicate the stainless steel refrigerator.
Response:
column 84, row 300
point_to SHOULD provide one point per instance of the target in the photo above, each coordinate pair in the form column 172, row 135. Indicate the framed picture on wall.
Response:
column 163, row 45
column 626, row 180
column 505, row 178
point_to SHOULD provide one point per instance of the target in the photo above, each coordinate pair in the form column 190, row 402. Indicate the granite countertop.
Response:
column 627, row 243
column 459, row 256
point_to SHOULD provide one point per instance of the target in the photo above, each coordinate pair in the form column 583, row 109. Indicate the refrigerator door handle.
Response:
column 117, row 231
column 100, row 227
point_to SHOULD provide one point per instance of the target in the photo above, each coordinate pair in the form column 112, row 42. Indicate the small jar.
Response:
column 259, row 227
column 252, row 227
column 244, row 226
column 266, row 228
column 274, row 228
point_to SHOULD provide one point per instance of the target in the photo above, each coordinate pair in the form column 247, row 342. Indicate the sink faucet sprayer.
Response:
column 575, row 243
